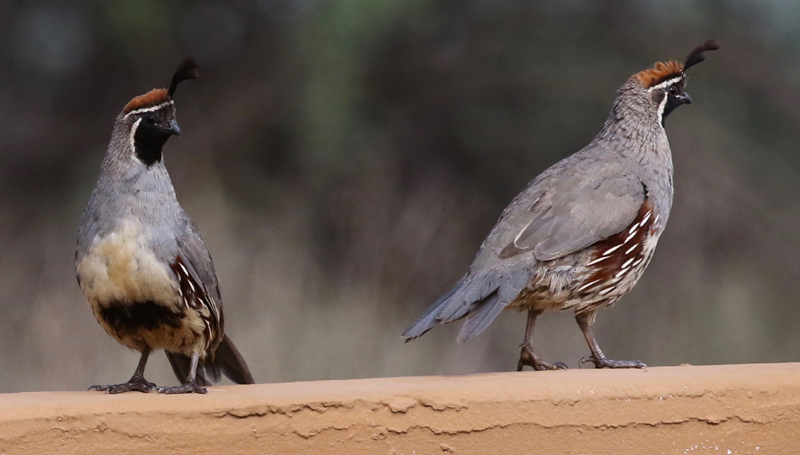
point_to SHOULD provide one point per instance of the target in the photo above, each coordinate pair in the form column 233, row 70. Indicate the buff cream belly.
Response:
column 134, row 296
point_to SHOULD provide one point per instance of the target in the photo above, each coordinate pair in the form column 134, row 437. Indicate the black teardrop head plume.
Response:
column 186, row 70
column 696, row 56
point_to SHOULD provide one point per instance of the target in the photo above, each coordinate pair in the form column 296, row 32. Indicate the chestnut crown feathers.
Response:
column 663, row 71
column 186, row 70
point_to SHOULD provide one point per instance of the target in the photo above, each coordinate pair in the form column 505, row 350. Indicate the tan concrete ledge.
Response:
column 710, row 409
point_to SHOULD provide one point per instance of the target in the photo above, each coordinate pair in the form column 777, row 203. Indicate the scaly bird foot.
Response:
column 603, row 362
column 189, row 387
column 527, row 357
column 136, row 383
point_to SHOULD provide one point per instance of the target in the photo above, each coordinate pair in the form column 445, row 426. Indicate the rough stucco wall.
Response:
column 710, row 409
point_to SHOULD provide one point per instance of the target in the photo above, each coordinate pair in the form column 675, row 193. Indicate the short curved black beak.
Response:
column 173, row 128
column 674, row 101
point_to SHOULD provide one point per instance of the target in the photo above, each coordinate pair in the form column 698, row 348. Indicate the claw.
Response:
column 527, row 357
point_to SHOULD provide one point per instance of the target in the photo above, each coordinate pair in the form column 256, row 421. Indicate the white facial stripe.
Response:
column 665, row 84
column 133, row 133
column 150, row 109
column 661, row 107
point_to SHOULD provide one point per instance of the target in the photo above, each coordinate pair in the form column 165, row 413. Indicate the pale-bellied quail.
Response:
column 140, row 261
column 581, row 234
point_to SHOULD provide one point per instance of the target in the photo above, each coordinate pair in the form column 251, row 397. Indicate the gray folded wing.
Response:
column 571, row 216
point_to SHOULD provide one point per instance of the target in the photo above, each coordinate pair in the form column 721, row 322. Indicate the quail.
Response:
column 581, row 234
column 140, row 261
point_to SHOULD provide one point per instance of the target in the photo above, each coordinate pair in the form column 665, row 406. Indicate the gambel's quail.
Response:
column 581, row 234
column 140, row 261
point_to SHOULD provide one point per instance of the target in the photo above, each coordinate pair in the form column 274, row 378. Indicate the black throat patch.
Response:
column 148, row 142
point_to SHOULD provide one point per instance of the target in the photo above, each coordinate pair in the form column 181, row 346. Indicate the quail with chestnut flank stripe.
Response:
column 141, row 262
column 581, row 234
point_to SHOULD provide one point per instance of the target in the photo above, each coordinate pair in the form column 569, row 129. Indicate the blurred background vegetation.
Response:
column 344, row 160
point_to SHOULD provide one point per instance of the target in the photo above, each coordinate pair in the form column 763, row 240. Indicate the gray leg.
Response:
column 190, row 386
column 527, row 356
column 137, row 381
column 598, row 358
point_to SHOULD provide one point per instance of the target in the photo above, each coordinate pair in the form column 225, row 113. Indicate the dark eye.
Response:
column 672, row 90
column 149, row 119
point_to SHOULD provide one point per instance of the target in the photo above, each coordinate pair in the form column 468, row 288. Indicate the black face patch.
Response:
column 149, row 139
column 131, row 318
column 152, row 132
column 672, row 103
column 675, row 97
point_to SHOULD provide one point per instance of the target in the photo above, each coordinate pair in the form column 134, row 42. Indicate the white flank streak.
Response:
column 611, row 250
column 627, row 263
column 629, row 238
column 191, row 286
column 646, row 217
column 655, row 221
column 632, row 248
column 516, row 239
column 607, row 290
column 598, row 260
column 638, row 262
column 633, row 229
column 149, row 109
column 133, row 132
column 623, row 272
column 587, row 285
column 616, row 280
column 183, row 268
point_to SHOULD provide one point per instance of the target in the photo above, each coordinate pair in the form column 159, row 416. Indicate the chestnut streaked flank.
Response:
column 581, row 234
column 140, row 261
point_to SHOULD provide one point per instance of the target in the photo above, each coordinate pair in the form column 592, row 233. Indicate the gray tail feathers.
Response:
column 232, row 363
column 480, row 298
column 477, row 320
column 430, row 316
column 227, row 360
